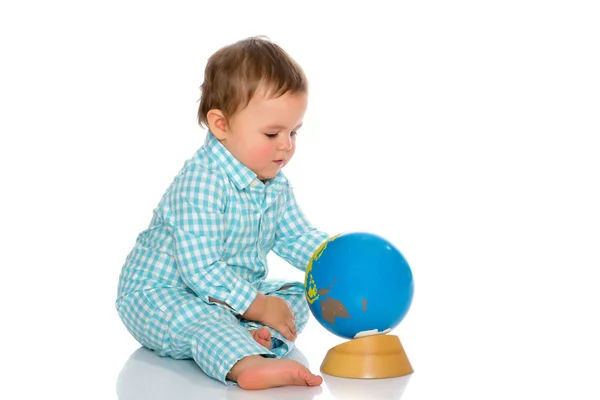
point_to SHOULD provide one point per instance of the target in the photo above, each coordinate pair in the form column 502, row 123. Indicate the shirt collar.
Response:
column 238, row 173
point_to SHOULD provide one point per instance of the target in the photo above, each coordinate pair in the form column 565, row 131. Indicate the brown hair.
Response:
column 235, row 72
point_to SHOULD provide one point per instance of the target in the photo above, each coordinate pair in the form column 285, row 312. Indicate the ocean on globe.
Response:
column 358, row 284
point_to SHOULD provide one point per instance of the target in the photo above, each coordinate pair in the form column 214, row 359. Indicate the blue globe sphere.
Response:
column 358, row 284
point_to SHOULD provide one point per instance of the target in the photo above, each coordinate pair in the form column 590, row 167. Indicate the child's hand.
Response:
column 279, row 316
column 275, row 312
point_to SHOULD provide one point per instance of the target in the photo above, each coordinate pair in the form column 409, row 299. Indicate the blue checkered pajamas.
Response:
column 209, row 238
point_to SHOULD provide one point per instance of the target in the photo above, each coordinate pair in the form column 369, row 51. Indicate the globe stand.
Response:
column 370, row 357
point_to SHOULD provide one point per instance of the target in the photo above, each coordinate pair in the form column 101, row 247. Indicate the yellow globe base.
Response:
column 370, row 357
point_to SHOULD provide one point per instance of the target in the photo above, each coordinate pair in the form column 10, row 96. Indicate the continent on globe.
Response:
column 312, row 293
column 332, row 308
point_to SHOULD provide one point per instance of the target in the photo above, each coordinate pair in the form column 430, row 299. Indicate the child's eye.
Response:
column 274, row 135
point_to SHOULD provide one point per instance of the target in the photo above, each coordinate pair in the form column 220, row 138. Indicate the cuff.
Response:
column 242, row 296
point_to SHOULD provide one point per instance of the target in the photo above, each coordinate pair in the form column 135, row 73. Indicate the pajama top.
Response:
column 213, row 228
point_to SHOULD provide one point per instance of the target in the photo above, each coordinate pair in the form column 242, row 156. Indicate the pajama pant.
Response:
column 175, row 322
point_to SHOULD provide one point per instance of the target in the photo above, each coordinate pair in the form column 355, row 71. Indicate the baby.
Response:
column 194, row 285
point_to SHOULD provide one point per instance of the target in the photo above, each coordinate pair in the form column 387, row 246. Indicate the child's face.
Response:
column 263, row 135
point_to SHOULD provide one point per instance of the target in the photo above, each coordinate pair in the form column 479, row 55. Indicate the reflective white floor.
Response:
column 146, row 376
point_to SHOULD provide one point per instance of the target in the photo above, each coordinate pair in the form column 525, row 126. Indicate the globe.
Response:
column 358, row 284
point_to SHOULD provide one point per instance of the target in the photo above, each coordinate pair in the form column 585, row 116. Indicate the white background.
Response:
column 466, row 132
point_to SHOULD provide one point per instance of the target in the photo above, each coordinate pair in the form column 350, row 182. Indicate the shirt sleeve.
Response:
column 296, row 239
column 194, row 208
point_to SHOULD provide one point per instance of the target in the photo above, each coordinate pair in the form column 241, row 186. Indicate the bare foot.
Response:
column 256, row 373
column 262, row 337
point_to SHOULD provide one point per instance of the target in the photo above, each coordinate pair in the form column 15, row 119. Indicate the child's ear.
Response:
column 217, row 123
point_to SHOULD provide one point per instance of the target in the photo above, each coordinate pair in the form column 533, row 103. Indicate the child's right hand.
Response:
column 279, row 316
column 275, row 312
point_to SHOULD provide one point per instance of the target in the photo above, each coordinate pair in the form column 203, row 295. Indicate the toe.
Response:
column 265, row 343
column 264, row 333
column 315, row 380
column 310, row 378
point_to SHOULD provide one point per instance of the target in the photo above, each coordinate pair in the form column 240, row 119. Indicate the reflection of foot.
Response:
column 256, row 372
column 262, row 337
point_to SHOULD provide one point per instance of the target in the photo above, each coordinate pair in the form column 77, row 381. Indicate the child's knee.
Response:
column 304, row 313
column 301, row 311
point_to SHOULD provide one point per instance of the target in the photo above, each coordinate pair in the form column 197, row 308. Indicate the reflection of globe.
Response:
column 358, row 284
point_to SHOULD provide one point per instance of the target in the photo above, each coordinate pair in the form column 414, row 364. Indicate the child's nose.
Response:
column 286, row 142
